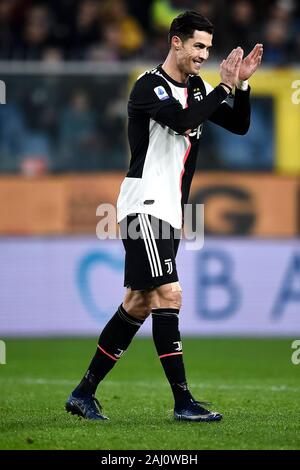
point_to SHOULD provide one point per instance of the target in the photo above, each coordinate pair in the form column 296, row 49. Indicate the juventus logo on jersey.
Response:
column 179, row 345
column 169, row 264
column 197, row 94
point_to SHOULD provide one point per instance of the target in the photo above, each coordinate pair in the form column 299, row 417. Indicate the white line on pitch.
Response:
column 153, row 384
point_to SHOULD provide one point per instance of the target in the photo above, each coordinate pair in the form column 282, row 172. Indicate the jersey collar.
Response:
column 170, row 79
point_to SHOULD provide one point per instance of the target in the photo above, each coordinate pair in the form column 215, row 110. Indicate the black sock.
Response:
column 113, row 342
column 167, row 340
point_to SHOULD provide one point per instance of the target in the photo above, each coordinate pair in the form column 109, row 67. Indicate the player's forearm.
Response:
column 180, row 120
column 237, row 118
column 241, row 112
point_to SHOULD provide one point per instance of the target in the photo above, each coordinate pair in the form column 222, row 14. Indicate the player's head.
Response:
column 190, row 38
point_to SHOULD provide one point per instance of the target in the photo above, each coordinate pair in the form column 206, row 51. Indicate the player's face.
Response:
column 192, row 53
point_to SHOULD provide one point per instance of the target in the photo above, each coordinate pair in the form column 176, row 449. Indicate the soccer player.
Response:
column 167, row 108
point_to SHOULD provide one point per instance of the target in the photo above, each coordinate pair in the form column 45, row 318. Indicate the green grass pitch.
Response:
column 251, row 381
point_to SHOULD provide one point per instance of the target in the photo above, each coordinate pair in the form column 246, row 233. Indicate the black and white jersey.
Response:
column 165, row 120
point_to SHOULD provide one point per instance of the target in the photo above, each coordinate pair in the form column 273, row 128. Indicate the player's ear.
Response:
column 176, row 42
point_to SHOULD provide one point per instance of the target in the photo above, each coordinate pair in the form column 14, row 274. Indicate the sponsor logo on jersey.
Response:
column 197, row 132
column 161, row 93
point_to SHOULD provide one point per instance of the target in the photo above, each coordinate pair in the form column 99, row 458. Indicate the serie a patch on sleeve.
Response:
column 161, row 93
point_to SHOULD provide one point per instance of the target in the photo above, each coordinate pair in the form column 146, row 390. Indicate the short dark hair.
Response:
column 186, row 23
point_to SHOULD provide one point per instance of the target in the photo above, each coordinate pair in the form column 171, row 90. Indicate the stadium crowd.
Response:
column 58, row 123
column 102, row 30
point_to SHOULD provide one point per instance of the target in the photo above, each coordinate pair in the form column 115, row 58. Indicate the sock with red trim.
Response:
column 113, row 342
column 168, row 344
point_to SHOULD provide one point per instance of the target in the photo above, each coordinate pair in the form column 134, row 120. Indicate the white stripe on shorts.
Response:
column 152, row 241
column 147, row 247
column 154, row 244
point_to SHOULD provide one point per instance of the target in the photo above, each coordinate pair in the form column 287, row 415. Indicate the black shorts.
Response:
column 151, row 247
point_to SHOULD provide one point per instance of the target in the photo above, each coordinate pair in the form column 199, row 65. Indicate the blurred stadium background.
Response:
column 68, row 67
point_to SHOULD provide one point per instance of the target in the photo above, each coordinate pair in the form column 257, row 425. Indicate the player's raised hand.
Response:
column 251, row 62
column 230, row 67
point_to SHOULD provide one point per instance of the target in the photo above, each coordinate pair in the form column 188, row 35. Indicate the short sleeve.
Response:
column 149, row 95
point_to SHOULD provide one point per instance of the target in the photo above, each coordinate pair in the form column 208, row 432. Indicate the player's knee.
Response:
column 174, row 300
column 169, row 296
column 137, row 304
column 142, row 311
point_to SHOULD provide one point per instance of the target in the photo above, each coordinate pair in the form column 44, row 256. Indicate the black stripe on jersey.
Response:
column 195, row 83
column 140, row 108
column 138, row 136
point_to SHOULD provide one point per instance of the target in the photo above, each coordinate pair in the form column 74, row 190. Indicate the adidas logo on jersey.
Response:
column 197, row 94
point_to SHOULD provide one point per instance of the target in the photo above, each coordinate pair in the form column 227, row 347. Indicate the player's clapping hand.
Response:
column 230, row 67
column 251, row 62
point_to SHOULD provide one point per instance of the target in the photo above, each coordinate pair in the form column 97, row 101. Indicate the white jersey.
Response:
column 159, row 155
column 163, row 161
